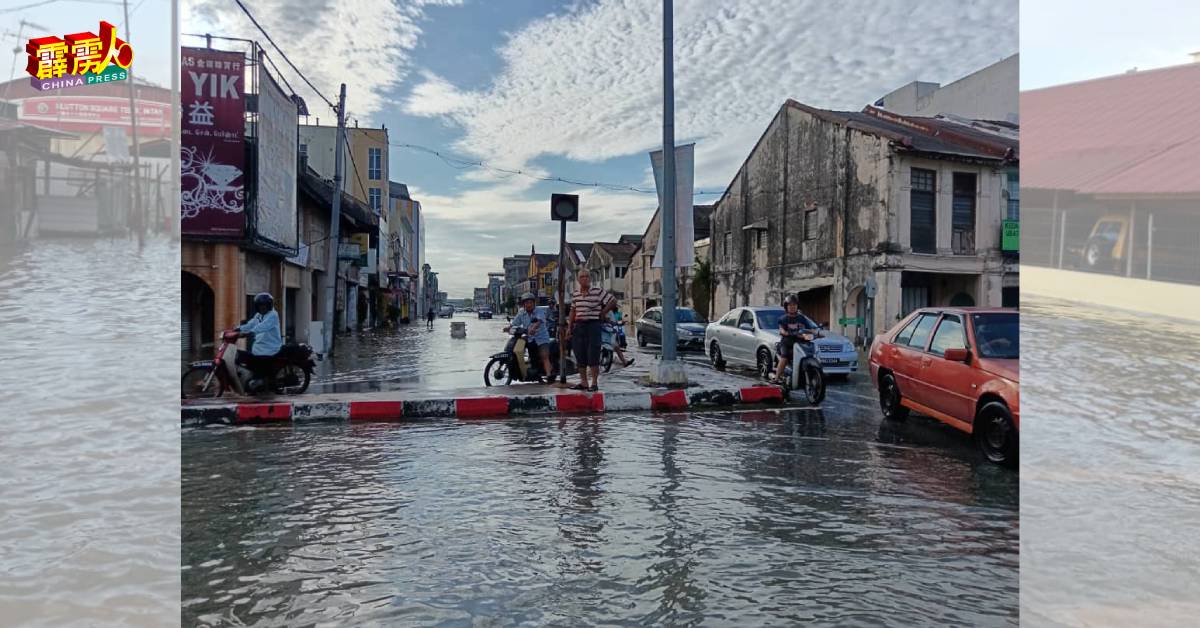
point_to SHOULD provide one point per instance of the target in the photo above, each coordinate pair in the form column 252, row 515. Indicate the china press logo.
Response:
column 80, row 59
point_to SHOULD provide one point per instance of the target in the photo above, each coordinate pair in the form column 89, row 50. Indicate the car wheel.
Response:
column 763, row 361
column 889, row 399
column 641, row 339
column 996, row 435
column 714, row 354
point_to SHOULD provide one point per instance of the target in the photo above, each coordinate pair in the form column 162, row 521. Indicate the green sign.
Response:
column 1011, row 239
column 846, row 322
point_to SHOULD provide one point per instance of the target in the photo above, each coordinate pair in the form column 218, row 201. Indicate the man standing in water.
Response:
column 429, row 316
column 589, row 306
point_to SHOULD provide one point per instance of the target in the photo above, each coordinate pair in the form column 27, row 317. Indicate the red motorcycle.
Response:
column 292, row 368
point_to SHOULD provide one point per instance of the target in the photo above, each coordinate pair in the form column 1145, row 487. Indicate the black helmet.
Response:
column 791, row 300
column 264, row 298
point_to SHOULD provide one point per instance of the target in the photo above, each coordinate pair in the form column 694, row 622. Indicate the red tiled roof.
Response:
column 1136, row 133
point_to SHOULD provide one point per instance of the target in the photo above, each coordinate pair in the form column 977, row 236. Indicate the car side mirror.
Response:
column 957, row 355
column 746, row 327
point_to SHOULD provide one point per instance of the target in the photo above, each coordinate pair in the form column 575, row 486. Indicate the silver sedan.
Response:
column 747, row 336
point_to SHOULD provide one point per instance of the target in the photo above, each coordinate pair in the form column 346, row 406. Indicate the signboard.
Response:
column 1011, row 238
column 90, row 114
column 212, row 148
column 348, row 251
column 301, row 257
column 363, row 241
column 278, row 133
column 847, row 322
column 685, row 238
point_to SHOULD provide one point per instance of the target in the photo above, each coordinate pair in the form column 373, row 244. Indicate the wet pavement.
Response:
column 764, row 517
column 1110, row 471
column 89, row 448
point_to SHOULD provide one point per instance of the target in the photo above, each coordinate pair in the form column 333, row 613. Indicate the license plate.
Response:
column 202, row 365
column 830, row 361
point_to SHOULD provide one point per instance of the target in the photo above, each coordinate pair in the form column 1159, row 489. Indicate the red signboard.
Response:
column 90, row 114
column 212, row 100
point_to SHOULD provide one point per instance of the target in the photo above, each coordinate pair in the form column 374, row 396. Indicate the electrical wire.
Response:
column 284, row 55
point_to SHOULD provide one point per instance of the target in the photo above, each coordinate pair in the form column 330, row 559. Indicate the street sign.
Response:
column 870, row 288
column 1011, row 238
column 846, row 322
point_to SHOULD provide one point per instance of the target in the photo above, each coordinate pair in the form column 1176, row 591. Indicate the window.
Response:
column 1014, row 195
column 304, row 151
column 621, row 272
column 949, row 335
column 920, row 334
column 997, row 335
column 655, row 315
column 905, row 334
column 962, row 218
column 375, row 195
column 730, row 319
column 375, row 163
column 810, row 224
column 760, row 237
column 746, row 319
column 923, row 210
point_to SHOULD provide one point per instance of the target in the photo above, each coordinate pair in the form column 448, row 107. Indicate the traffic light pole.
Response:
column 562, row 316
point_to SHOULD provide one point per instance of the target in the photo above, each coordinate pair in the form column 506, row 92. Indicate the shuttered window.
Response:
column 923, row 202
column 962, row 220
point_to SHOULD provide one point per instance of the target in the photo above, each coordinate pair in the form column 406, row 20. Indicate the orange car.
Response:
column 957, row 365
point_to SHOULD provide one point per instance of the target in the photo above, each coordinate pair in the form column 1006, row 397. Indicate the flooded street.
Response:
column 89, row 476
column 1101, row 484
column 742, row 518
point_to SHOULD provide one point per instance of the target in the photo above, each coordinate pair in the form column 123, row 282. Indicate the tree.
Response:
column 702, row 287
column 511, row 304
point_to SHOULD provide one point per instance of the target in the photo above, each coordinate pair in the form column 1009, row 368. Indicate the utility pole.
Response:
column 670, row 371
column 335, row 220
column 137, row 165
column 175, row 108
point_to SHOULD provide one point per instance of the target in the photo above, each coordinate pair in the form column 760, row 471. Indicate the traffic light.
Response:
column 564, row 207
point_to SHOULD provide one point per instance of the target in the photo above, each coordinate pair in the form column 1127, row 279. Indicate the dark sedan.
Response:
column 689, row 326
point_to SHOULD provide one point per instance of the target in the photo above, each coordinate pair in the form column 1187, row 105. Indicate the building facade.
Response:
column 991, row 93
column 867, row 216
column 644, row 283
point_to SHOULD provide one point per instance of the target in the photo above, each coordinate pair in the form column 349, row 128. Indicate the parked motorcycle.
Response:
column 293, row 367
column 804, row 373
column 514, row 363
column 612, row 337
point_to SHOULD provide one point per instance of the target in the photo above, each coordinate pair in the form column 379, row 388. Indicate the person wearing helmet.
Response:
column 537, row 330
column 792, row 329
column 263, row 327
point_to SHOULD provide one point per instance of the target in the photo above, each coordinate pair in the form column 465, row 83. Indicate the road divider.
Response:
column 314, row 408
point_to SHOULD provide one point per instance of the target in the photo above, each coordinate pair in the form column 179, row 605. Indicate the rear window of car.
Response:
column 920, row 335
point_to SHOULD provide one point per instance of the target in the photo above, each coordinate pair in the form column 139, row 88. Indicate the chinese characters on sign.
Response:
column 79, row 59
column 212, row 150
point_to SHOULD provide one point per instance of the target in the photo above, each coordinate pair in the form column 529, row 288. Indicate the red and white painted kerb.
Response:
column 301, row 411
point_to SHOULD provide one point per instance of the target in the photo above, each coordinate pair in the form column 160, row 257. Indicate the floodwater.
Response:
column 1110, row 469
column 768, row 517
column 89, row 447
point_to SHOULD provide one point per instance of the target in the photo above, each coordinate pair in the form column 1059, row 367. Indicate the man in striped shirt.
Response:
column 589, row 306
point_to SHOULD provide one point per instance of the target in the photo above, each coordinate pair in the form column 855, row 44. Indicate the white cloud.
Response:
column 366, row 43
column 587, row 85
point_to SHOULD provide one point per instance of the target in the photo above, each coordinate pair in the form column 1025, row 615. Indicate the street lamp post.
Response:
column 670, row 371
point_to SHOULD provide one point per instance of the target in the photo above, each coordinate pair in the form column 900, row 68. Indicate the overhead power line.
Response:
column 284, row 55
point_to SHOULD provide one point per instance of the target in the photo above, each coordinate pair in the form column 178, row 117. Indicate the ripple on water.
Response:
column 629, row 518
column 89, row 488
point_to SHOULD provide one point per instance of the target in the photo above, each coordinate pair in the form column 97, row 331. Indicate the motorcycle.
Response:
column 293, row 367
column 612, row 337
column 513, row 364
column 804, row 373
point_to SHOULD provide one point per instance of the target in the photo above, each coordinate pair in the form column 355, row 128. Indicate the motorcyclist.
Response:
column 537, row 330
column 793, row 328
column 263, row 327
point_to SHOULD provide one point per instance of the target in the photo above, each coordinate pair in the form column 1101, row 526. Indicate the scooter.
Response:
column 612, row 337
column 293, row 367
column 804, row 373
column 513, row 364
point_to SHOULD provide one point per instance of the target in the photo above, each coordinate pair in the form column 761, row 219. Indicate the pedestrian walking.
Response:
column 429, row 316
column 589, row 307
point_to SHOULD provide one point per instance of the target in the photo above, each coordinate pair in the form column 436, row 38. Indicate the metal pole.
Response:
column 1149, row 244
column 1129, row 240
column 175, row 110
column 335, row 218
column 562, row 316
column 667, row 240
column 1062, row 236
column 137, row 166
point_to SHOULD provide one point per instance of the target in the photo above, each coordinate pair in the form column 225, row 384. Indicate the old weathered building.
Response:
column 644, row 283
column 608, row 265
column 835, row 205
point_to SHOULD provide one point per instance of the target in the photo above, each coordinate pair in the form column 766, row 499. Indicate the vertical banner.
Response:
column 278, row 140
column 685, row 238
column 212, row 143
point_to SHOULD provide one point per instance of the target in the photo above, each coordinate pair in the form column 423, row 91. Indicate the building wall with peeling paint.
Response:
column 832, row 204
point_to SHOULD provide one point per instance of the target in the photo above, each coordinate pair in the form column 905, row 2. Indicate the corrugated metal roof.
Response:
column 1134, row 133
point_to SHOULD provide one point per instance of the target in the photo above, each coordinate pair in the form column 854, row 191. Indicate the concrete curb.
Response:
column 301, row 411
